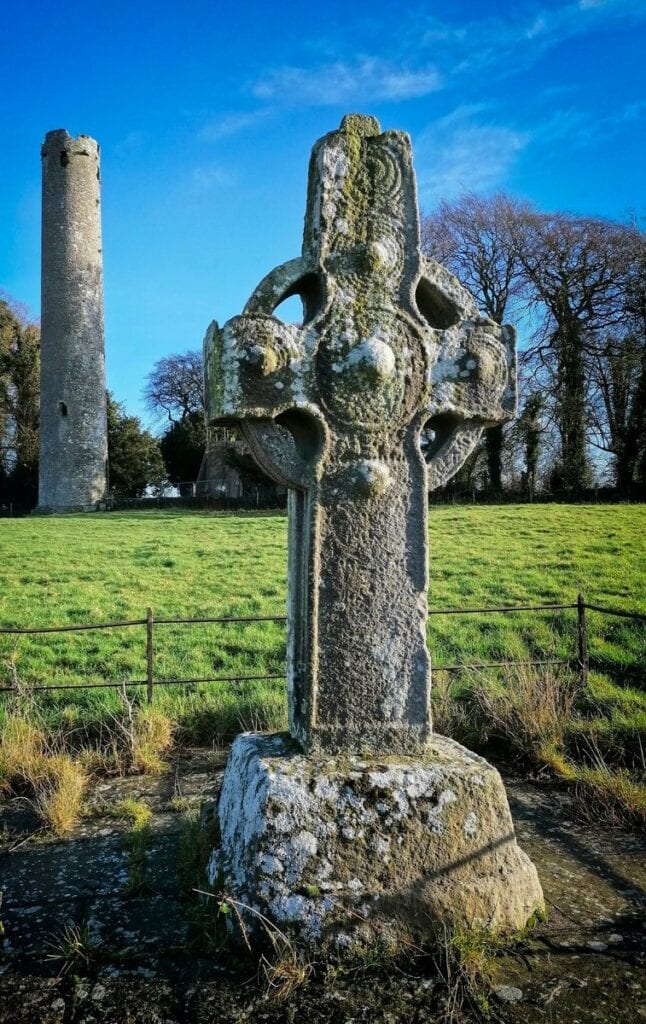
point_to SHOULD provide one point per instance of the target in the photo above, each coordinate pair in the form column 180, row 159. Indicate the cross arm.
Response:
column 253, row 368
column 257, row 373
column 473, row 377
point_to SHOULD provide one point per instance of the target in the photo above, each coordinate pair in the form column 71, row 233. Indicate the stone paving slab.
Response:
column 595, row 877
column 30, row 931
column 59, row 871
column 140, row 926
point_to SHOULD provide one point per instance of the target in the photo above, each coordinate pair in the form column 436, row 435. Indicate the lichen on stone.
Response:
column 321, row 844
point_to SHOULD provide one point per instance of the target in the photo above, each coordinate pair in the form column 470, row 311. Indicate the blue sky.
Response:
column 206, row 114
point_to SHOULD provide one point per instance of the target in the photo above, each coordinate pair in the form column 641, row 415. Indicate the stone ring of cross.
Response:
column 388, row 335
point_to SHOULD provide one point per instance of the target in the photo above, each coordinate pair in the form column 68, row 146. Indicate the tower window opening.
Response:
column 62, row 408
column 65, row 158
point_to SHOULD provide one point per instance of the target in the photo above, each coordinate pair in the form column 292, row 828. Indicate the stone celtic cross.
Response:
column 379, row 395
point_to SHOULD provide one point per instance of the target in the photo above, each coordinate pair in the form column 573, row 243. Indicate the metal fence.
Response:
column 580, row 662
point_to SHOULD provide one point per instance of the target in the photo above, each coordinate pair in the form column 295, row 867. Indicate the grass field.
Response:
column 75, row 569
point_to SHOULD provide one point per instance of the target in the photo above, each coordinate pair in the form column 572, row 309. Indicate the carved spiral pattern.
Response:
column 387, row 172
column 387, row 214
column 480, row 386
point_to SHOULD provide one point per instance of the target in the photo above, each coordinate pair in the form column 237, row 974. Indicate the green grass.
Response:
column 541, row 555
column 75, row 569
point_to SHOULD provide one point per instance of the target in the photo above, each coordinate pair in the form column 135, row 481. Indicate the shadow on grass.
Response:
column 626, row 674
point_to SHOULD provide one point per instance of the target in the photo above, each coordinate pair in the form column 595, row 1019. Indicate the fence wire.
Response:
column 581, row 661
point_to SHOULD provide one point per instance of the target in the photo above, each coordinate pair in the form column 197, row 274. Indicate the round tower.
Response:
column 73, row 417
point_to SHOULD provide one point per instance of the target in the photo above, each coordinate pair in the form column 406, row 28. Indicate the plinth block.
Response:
column 343, row 849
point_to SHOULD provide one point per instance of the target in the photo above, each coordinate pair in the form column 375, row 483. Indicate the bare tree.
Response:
column 175, row 387
column 8, row 329
column 529, row 428
column 474, row 237
column 577, row 269
column 616, row 369
column 19, row 401
column 617, row 405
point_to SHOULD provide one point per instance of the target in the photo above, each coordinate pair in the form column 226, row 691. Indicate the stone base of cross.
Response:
column 380, row 394
column 345, row 850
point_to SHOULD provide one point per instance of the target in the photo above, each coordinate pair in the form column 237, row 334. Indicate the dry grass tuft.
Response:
column 613, row 795
column 533, row 712
column 530, row 709
column 284, row 972
column 51, row 771
column 603, row 793
column 34, row 765
column 450, row 715
column 139, row 737
column 59, row 795
column 152, row 736
column 22, row 751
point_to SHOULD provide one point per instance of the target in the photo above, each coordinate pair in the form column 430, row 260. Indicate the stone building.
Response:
column 73, row 420
column 219, row 476
column 228, row 474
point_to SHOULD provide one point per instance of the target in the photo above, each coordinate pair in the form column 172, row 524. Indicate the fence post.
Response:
column 149, row 654
column 584, row 663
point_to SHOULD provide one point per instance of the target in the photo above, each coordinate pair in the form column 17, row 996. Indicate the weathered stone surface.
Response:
column 335, row 409
column 348, row 848
column 391, row 344
column 73, row 417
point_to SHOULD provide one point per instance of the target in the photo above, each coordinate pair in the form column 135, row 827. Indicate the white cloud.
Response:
column 203, row 178
column 426, row 54
column 369, row 78
column 461, row 153
column 634, row 111
column 572, row 126
column 577, row 128
column 467, row 151
column 510, row 44
column 536, row 28
column 224, row 125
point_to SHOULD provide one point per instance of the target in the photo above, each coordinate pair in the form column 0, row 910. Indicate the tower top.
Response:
column 60, row 141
